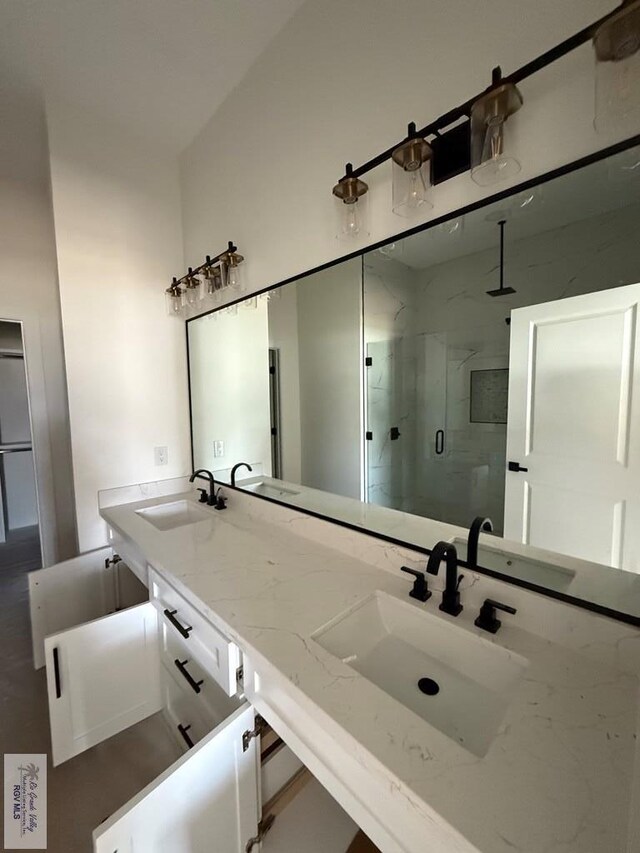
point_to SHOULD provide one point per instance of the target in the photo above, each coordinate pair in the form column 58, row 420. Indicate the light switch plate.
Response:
column 161, row 455
column 218, row 449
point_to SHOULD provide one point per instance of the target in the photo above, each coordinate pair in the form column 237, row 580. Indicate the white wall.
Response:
column 118, row 233
column 229, row 363
column 29, row 294
column 329, row 343
column 339, row 83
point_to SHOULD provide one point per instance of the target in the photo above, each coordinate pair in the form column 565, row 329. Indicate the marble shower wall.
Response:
column 444, row 326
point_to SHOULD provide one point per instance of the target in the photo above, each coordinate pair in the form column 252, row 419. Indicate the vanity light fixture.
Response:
column 351, row 193
column 616, row 46
column 183, row 294
column 490, row 158
column 231, row 261
column 192, row 289
column 173, row 298
column 411, row 172
column 213, row 273
column 475, row 135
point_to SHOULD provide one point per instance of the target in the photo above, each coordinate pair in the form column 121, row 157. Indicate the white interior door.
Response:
column 69, row 594
column 102, row 677
column 206, row 801
column 574, row 427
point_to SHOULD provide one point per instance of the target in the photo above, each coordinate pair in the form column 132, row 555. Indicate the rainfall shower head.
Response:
column 502, row 290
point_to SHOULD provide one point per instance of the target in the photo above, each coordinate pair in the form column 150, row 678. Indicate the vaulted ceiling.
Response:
column 160, row 67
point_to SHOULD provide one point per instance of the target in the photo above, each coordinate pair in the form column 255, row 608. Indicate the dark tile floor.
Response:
column 87, row 789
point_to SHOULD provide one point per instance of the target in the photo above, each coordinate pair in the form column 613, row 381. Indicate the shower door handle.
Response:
column 439, row 442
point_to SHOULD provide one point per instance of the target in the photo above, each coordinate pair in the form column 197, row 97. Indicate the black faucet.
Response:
column 478, row 524
column 450, row 597
column 213, row 498
column 235, row 468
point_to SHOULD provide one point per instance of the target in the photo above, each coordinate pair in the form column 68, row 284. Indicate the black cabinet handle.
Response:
column 195, row 685
column 171, row 616
column 56, row 672
column 439, row 442
column 394, row 433
column 184, row 732
column 515, row 466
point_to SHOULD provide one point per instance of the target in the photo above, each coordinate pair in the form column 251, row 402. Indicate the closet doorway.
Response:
column 19, row 532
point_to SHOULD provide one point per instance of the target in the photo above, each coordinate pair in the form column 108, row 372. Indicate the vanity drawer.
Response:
column 212, row 650
column 181, row 711
column 213, row 703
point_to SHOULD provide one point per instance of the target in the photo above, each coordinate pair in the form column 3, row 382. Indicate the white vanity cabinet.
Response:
column 236, row 775
column 89, row 586
column 112, row 672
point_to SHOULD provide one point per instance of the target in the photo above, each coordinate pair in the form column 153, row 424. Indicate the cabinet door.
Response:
column 102, row 677
column 69, row 594
column 207, row 800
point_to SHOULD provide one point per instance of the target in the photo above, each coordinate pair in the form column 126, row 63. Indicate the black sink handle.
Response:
column 420, row 589
column 487, row 618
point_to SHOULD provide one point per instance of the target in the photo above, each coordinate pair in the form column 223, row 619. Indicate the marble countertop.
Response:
column 557, row 778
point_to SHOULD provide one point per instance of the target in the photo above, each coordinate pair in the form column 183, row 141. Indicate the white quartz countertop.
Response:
column 558, row 778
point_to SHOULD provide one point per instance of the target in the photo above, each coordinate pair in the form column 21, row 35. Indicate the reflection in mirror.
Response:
column 488, row 366
column 277, row 383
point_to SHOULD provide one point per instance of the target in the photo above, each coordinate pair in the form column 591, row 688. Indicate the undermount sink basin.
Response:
column 469, row 681
column 174, row 514
column 547, row 575
column 268, row 490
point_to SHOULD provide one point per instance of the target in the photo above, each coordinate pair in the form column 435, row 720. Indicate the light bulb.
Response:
column 415, row 193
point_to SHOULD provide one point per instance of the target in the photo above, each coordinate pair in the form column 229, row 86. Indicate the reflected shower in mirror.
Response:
column 486, row 366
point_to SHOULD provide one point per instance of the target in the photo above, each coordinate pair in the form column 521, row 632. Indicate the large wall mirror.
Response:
column 488, row 366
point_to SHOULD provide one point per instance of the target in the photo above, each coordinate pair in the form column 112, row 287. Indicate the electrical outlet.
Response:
column 161, row 455
column 218, row 449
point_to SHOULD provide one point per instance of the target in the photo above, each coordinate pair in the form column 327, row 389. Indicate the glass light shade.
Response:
column 352, row 220
column 617, row 53
column 173, row 300
column 234, row 276
column 191, row 290
column 411, row 173
column 410, row 189
column 351, row 207
column 490, row 139
column 214, row 282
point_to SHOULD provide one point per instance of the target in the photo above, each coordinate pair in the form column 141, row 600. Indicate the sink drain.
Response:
column 429, row 686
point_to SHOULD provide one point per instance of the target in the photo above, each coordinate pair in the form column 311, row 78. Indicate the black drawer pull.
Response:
column 439, row 442
column 56, row 672
column 195, row 685
column 184, row 732
column 171, row 616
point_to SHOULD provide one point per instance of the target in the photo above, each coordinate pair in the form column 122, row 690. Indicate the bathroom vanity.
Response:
column 256, row 633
